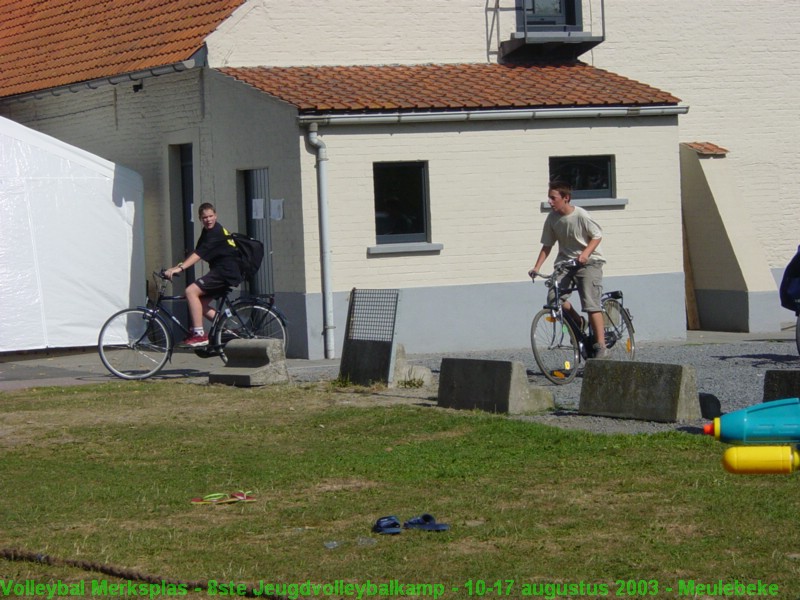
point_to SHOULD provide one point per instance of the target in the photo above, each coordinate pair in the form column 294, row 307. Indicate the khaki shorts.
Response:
column 589, row 281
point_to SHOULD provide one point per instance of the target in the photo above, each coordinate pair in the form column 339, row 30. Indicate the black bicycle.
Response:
column 559, row 343
column 136, row 343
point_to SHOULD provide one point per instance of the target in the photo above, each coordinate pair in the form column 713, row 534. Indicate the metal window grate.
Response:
column 371, row 315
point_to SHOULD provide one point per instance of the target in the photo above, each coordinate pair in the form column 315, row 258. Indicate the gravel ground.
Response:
column 733, row 372
column 729, row 366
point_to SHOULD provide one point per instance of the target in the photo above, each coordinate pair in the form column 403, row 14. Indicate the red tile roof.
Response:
column 448, row 87
column 707, row 148
column 53, row 43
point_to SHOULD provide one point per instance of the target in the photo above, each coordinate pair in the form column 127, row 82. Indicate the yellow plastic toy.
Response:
column 761, row 460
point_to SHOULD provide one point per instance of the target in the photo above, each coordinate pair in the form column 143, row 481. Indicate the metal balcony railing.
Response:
column 555, row 29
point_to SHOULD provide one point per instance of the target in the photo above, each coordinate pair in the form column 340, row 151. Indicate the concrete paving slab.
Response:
column 83, row 366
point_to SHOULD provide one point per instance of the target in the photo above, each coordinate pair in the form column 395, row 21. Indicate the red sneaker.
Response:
column 195, row 340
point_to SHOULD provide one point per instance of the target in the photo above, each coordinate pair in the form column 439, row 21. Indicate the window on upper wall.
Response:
column 589, row 176
column 401, row 202
column 549, row 15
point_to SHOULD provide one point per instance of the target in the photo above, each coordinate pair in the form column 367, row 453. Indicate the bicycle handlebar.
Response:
column 564, row 266
column 162, row 274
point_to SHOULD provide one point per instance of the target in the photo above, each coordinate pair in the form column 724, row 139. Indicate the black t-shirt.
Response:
column 220, row 253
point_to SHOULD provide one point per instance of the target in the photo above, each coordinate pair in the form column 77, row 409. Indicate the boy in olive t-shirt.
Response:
column 578, row 237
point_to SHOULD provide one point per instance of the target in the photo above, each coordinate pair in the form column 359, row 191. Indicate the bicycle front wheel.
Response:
column 555, row 347
column 249, row 321
column 618, row 331
column 134, row 344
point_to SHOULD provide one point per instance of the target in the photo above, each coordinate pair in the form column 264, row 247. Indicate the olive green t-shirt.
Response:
column 572, row 232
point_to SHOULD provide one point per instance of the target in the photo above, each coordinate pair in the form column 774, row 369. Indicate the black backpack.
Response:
column 789, row 290
column 251, row 254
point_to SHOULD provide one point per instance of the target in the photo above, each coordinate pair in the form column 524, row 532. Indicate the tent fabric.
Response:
column 72, row 243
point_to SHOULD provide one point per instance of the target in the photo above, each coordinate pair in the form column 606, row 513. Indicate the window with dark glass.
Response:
column 553, row 15
column 589, row 176
column 401, row 201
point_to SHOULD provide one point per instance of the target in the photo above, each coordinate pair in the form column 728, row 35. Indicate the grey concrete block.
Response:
column 252, row 363
column 639, row 390
column 405, row 373
column 781, row 383
column 492, row 385
column 365, row 362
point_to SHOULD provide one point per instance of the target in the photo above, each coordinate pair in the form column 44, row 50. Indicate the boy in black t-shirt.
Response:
column 219, row 251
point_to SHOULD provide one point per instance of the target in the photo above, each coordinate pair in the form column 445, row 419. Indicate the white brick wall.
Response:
column 338, row 32
column 331, row 32
column 735, row 64
column 486, row 186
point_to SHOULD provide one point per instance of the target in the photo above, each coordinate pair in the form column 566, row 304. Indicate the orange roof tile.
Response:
column 52, row 43
column 707, row 148
column 447, row 87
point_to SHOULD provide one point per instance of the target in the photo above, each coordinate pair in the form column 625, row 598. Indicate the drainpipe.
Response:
column 324, row 243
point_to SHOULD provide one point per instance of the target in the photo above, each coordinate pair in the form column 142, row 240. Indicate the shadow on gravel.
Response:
column 690, row 429
column 765, row 360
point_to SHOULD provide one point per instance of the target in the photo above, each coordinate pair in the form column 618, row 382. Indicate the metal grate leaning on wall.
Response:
column 371, row 315
column 368, row 353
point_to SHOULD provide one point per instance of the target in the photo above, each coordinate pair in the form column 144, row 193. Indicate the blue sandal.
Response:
column 425, row 522
column 387, row 526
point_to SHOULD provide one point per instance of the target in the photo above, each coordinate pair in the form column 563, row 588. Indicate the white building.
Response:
column 312, row 132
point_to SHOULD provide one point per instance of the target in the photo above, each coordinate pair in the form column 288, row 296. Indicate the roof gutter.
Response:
column 494, row 115
column 93, row 84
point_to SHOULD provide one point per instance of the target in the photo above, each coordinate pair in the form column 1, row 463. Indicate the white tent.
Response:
column 71, row 241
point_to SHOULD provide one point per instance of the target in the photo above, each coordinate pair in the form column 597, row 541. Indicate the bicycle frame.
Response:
column 136, row 342
column 557, row 306
column 224, row 306
column 585, row 338
column 560, row 342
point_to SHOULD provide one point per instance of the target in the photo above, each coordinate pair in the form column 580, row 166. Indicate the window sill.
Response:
column 407, row 248
column 593, row 203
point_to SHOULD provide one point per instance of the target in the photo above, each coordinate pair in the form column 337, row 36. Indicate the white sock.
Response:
column 198, row 331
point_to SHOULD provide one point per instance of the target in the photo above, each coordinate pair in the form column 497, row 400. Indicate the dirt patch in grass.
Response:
column 52, row 415
column 343, row 485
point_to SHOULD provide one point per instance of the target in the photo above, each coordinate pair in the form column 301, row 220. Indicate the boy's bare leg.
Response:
column 209, row 312
column 194, row 298
column 596, row 319
column 572, row 312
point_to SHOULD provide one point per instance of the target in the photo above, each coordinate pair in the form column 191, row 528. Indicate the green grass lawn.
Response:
column 105, row 474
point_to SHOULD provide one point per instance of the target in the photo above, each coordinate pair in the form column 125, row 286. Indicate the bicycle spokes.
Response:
column 555, row 346
column 560, row 332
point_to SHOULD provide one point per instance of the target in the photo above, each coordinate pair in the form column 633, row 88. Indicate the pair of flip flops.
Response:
column 219, row 498
column 391, row 525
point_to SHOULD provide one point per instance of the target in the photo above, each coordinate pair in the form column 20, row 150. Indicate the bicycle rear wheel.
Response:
column 618, row 331
column 555, row 347
column 797, row 333
column 248, row 321
column 134, row 344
